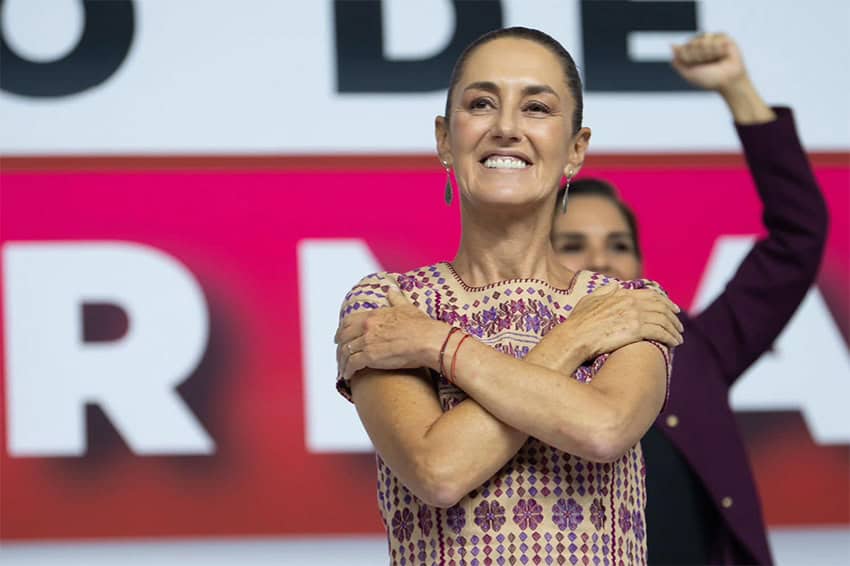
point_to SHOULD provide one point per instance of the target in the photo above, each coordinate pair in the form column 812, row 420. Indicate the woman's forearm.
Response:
column 745, row 103
column 442, row 455
column 467, row 445
column 597, row 421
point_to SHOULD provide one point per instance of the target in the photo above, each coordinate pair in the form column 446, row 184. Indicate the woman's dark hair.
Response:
column 570, row 71
column 589, row 186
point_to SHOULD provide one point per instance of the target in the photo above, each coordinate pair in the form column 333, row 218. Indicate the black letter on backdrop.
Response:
column 362, row 67
column 107, row 35
column 605, row 28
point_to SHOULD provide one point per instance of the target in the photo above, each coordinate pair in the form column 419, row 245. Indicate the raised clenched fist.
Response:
column 710, row 61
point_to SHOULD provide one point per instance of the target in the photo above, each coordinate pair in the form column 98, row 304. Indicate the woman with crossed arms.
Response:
column 506, row 415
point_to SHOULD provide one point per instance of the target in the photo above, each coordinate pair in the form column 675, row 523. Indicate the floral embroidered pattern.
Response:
column 402, row 524
column 425, row 522
column 597, row 513
column 567, row 514
column 528, row 514
column 637, row 525
column 490, row 515
column 456, row 518
column 521, row 315
column 625, row 518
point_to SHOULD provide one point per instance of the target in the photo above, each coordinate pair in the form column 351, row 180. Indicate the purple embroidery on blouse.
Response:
column 567, row 514
column 456, row 518
column 597, row 514
column 402, row 524
column 528, row 514
column 490, row 516
column 425, row 522
column 625, row 518
column 637, row 525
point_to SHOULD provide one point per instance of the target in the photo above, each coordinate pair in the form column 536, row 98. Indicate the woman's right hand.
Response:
column 612, row 317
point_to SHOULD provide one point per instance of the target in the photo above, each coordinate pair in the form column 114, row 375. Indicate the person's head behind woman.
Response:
column 512, row 127
column 598, row 231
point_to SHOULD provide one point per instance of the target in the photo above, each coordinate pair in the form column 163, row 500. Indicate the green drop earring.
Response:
column 449, row 191
column 566, row 193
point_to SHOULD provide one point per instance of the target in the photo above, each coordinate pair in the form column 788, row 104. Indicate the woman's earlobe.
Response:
column 441, row 134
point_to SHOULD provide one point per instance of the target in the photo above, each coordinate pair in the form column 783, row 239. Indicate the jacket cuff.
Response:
column 773, row 139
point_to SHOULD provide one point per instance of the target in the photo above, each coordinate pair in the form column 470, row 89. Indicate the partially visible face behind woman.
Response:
column 509, row 134
column 594, row 235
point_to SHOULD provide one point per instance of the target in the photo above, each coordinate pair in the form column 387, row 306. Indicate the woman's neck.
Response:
column 498, row 247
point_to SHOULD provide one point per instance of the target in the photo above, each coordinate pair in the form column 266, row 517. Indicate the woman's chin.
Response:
column 506, row 201
column 505, row 194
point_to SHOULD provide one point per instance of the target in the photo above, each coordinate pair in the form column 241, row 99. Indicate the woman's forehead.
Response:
column 509, row 60
column 591, row 213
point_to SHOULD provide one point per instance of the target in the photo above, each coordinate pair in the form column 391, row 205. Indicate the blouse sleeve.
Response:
column 369, row 293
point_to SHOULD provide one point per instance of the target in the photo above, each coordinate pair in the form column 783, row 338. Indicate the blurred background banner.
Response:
column 188, row 190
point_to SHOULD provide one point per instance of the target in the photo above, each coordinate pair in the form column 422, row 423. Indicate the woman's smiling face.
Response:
column 509, row 136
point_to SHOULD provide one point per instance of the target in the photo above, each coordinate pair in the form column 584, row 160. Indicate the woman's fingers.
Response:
column 607, row 289
column 653, row 322
column 659, row 307
column 344, row 351
column 396, row 298
column 353, row 364
column 657, row 299
column 352, row 350
column 351, row 327
column 661, row 334
column 665, row 306
column 704, row 48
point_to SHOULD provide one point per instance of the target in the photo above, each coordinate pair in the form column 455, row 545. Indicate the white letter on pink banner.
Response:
column 327, row 270
column 51, row 373
column 808, row 366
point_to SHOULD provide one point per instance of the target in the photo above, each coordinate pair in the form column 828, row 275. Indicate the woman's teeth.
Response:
column 505, row 163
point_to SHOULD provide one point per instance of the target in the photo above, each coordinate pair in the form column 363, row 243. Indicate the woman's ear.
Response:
column 578, row 149
column 441, row 135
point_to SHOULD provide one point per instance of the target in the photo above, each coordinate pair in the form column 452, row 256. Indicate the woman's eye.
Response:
column 537, row 108
column 481, row 104
column 570, row 249
column 621, row 247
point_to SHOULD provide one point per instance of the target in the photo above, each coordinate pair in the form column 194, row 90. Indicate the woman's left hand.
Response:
column 395, row 337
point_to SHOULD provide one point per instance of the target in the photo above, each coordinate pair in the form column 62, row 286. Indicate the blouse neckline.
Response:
column 471, row 289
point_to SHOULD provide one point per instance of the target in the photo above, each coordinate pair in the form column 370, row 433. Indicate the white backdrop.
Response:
column 217, row 76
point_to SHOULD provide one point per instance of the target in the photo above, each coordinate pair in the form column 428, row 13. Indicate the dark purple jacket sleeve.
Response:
column 743, row 322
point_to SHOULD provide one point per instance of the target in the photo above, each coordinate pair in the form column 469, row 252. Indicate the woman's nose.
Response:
column 598, row 261
column 506, row 125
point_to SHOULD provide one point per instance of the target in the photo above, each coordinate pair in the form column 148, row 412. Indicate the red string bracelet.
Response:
column 443, row 348
column 454, row 357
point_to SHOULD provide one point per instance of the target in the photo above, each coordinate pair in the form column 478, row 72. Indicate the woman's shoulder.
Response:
column 419, row 277
column 589, row 281
column 371, row 291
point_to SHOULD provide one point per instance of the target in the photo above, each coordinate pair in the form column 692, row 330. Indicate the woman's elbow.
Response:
column 607, row 440
column 609, row 450
column 441, row 497
column 438, row 485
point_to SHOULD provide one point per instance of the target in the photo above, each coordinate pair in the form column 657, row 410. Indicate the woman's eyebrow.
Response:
column 567, row 235
column 529, row 90
column 483, row 85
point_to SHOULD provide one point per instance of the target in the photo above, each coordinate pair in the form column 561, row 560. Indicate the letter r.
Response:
column 51, row 373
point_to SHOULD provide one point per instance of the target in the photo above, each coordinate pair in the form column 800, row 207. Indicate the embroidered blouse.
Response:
column 544, row 505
